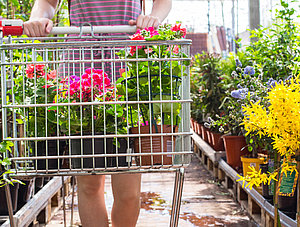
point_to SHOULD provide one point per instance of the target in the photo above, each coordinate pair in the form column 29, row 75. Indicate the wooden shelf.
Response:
column 40, row 204
column 255, row 204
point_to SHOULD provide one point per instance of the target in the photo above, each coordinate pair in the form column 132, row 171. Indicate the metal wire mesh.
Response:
column 74, row 106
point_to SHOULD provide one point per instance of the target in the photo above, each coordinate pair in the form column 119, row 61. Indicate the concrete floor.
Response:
column 204, row 201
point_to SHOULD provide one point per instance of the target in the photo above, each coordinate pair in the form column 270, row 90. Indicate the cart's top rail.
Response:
column 86, row 33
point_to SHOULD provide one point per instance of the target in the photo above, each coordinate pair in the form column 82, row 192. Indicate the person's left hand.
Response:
column 144, row 21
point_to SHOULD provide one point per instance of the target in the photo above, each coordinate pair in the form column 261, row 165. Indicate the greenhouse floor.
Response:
column 204, row 202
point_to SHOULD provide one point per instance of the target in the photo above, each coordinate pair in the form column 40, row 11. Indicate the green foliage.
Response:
column 207, row 85
column 277, row 47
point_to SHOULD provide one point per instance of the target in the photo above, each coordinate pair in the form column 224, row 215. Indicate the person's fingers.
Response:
column 49, row 27
column 26, row 31
column 132, row 22
column 36, row 29
column 139, row 21
column 145, row 22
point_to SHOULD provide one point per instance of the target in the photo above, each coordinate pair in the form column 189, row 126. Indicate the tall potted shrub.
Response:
column 280, row 121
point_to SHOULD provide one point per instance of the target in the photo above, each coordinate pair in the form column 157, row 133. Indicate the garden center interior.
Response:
column 193, row 122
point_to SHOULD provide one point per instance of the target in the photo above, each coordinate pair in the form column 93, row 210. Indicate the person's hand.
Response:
column 144, row 21
column 38, row 27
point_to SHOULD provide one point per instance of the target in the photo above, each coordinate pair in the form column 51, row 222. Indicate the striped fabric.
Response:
column 99, row 12
column 105, row 12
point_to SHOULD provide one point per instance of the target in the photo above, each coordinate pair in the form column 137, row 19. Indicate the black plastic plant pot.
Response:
column 39, row 183
column 101, row 146
column 54, row 149
column 26, row 191
column 14, row 198
column 265, row 187
column 286, row 203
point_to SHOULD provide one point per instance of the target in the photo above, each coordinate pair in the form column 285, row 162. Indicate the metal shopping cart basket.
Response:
column 93, row 103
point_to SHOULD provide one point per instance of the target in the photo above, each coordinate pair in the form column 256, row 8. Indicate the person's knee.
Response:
column 90, row 186
column 131, row 199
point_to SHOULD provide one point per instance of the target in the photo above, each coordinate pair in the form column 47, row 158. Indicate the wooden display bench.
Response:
column 41, row 207
column 251, row 200
column 208, row 156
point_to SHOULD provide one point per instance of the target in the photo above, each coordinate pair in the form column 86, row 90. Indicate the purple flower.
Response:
column 74, row 78
column 240, row 93
column 249, row 70
column 272, row 83
column 238, row 63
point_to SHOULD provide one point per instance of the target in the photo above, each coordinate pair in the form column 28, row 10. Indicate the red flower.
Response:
column 38, row 69
column 177, row 28
column 51, row 75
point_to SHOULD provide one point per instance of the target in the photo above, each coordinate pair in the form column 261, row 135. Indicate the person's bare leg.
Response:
column 91, row 203
column 126, row 208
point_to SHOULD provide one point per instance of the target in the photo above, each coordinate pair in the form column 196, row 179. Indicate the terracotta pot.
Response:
column 199, row 129
column 209, row 140
column 233, row 146
column 143, row 145
column 217, row 141
column 204, row 134
column 192, row 124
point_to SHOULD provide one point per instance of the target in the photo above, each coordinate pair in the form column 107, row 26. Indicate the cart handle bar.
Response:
column 15, row 28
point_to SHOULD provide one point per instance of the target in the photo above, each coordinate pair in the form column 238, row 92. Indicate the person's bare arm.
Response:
column 40, row 23
column 160, row 11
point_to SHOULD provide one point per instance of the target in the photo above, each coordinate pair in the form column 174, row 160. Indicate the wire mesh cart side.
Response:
column 96, row 104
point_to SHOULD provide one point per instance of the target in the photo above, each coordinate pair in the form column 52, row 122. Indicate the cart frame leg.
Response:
column 177, row 194
column 9, row 206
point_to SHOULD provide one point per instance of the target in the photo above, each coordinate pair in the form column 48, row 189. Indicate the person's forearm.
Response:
column 43, row 9
column 161, row 8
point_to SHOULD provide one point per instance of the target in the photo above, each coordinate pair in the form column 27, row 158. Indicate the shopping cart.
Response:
column 75, row 106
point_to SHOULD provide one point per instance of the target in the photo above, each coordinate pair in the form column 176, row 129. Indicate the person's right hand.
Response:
column 38, row 27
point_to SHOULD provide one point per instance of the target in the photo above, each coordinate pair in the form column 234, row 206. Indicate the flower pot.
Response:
column 204, row 134
column 233, row 146
column 39, row 183
column 217, row 141
column 286, row 203
column 14, row 198
column 101, row 146
column 254, row 162
column 159, row 144
column 192, row 124
column 52, row 151
column 26, row 191
column 265, row 187
column 209, row 140
column 199, row 130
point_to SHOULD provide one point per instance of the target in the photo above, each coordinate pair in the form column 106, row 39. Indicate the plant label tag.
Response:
column 128, row 158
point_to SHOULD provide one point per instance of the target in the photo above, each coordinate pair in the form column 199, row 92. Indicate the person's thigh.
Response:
column 126, row 186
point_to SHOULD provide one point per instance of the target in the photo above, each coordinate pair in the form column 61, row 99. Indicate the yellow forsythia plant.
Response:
column 280, row 120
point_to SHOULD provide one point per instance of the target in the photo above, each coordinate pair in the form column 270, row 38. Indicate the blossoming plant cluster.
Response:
column 38, row 85
column 280, row 120
column 94, row 86
column 156, row 73
column 247, row 86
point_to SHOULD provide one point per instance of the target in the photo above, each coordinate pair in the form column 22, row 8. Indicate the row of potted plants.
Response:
column 248, row 87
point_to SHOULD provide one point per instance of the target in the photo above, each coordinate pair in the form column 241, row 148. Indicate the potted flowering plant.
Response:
column 88, row 119
column 247, row 86
column 155, row 77
column 280, row 120
column 37, row 84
